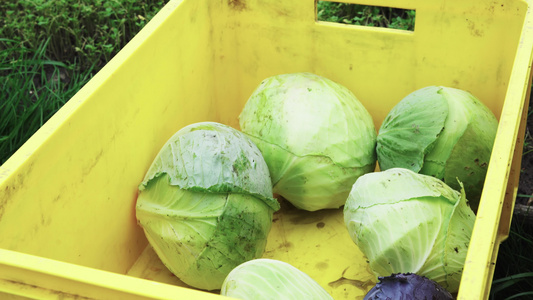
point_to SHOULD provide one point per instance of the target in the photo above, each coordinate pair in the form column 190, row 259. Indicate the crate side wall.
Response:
column 455, row 44
column 73, row 198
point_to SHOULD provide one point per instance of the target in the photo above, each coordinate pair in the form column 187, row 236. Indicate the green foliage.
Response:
column 374, row 16
column 33, row 88
column 85, row 32
column 513, row 276
column 50, row 48
column 528, row 138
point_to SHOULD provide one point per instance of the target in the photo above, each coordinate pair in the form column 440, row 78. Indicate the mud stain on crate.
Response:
column 357, row 283
column 238, row 5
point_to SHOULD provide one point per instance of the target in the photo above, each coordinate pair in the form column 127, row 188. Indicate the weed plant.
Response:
column 374, row 16
column 82, row 33
column 513, row 275
column 50, row 48
column 33, row 88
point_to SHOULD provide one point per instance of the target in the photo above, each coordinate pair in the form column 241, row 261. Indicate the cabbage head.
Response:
column 407, row 286
column 315, row 135
column 206, row 203
column 443, row 132
column 270, row 279
column 405, row 222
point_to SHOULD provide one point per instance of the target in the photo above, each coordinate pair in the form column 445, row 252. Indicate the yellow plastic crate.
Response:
column 67, row 218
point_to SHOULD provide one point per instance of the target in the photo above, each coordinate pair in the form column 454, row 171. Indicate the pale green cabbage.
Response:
column 405, row 222
column 270, row 279
column 315, row 135
column 206, row 203
column 443, row 132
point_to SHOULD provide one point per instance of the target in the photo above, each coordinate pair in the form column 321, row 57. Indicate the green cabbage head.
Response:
column 443, row 132
column 270, row 279
column 315, row 135
column 206, row 203
column 405, row 222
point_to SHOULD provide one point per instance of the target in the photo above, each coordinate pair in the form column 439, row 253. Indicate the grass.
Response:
column 364, row 15
column 513, row 276
column 33, row 88
column 52, row 48
column 528, row 138
column 83, row 33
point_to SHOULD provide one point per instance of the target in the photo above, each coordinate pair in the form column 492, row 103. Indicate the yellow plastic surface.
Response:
column 67, row 218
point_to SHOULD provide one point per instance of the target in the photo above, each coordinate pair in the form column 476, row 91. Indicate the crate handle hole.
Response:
column 365, row 15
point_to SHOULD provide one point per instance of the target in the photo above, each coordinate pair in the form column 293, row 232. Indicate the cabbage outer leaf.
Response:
column 206, row 203
column 469, row 158
column 215, row 158
column 201, row 237
column 309, row 114
column 406, row 222
column 311, row 182
column 443, row 132
column 411, row 129
column 310, row 129
column 270, row 279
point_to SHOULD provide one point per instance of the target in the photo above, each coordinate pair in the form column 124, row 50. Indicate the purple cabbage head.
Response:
column 407, row 286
